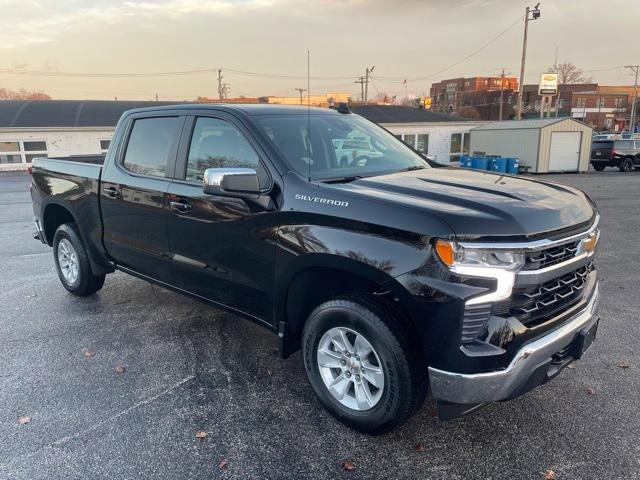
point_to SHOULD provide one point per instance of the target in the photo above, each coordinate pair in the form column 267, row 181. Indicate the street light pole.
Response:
column 535, row 14
column 632, row 120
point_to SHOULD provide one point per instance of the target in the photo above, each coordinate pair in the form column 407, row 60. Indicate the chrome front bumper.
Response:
column 503, row 384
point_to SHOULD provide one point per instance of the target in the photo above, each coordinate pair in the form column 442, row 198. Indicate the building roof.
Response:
column 106, row 113
column 65, row 113
column 524, row 124
column 396, row 114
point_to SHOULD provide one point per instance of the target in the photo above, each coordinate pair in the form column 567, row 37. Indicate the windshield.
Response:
column 341, row 146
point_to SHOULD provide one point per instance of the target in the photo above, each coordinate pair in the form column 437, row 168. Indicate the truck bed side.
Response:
column 67, row 190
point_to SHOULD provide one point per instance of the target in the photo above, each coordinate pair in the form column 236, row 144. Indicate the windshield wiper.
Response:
column 341, row 179
column 411, row 169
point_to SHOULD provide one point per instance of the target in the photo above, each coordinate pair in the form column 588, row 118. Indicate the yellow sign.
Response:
column 427, row 103
column 548, row 84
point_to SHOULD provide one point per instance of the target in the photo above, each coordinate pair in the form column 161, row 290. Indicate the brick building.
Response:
column 603, row 108
column 453, row 94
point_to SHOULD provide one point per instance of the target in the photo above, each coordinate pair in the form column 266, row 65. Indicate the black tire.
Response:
column 86, row 282
column 388, row 332
column 599, row 167
column 627, row 165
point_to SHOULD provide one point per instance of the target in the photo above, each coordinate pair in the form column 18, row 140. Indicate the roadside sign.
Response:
column 548, row 84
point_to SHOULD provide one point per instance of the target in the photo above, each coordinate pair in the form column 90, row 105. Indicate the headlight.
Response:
column 455, row 256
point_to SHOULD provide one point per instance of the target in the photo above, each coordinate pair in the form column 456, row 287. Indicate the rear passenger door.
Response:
column 133, row 196
column 222, row 247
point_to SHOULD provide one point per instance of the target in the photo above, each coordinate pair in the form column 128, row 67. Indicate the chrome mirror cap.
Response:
column 231, row 182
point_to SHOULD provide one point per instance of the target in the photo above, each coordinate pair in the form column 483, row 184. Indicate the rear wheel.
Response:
column 72, row 262
column 626, row 165
column 599, row 167
column 361, row 363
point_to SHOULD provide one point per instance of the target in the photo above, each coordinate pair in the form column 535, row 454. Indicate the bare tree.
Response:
column 22, row 94
column 569, row 73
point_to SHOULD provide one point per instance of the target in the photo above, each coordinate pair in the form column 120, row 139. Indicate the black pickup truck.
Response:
column 394, row 276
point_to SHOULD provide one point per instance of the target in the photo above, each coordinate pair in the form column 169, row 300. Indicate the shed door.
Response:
column 564, row 155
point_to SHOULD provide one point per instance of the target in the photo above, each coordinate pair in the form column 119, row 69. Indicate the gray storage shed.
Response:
column 545, row 145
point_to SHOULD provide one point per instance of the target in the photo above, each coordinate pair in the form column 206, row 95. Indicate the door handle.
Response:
column 181, row 206
column 112, row 192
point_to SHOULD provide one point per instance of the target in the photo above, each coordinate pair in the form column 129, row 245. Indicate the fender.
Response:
column 335, row 258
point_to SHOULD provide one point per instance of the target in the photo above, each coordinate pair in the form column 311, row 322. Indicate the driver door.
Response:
column 222, row 248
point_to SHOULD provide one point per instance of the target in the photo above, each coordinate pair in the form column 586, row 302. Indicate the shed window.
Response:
column 459, row 145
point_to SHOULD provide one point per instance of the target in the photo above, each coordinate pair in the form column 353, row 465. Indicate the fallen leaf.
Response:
column 22, row 419
column 120, row 369
column 590, row 391
column 433, row 413
column 201, row 434
column 89, row 353
column 549, row 475
column 572, row 366
column 420, row 447
column 223, row 465
column 269, row 371
column 348, row 465
column 624, row 365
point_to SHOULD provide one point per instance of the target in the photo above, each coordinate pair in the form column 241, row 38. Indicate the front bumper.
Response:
column 531, row 366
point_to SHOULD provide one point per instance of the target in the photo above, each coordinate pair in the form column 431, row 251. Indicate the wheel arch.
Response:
column 55, row 214
column 318, row 278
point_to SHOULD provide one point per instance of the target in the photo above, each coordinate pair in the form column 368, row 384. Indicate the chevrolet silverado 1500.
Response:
column 393, row 275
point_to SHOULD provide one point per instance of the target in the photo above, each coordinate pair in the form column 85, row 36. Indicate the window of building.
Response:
column 409, row 139
column 600, row 102
column 218, row 144
column 422, row 144
column 150, row 143
column 22, row 151
column 459, row 146
column 104, row 146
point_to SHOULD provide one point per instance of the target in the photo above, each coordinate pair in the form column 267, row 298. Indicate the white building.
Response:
column 440, row 134
column 30, row 129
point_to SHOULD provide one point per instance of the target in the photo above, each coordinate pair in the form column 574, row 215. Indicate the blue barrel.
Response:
column 480, row 163
column 499, row 165
column 465, row 161
column 512, row 165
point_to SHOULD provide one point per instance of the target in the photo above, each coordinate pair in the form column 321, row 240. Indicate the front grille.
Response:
column 534, row 305
column 551, row 256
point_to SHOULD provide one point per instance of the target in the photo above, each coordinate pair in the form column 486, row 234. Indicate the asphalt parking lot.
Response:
column 190, row 368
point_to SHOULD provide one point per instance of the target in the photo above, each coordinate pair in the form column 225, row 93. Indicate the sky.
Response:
column 420, row 40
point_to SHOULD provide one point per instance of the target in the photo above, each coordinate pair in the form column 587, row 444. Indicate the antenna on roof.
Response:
column 309, row 114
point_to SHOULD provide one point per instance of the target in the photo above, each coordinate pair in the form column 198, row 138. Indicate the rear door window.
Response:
column 151, row 142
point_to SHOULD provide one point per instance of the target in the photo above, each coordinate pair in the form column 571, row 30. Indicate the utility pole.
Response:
column 501, row 95
column 632, row 121
column 366, row 84
column 220, row 86
column 156, row 97
column 535, row 14
column 555, row 67
column 361, row 81
column 301, row 91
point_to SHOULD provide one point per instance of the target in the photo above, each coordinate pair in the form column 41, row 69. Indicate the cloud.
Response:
column 37, row 22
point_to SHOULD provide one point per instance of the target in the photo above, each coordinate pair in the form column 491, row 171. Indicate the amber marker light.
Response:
column 445, row 252
column 591, row 242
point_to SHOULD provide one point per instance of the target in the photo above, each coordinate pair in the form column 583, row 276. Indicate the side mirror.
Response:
column 231, row 182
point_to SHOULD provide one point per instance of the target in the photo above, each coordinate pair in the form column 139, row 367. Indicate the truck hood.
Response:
column 477, row 203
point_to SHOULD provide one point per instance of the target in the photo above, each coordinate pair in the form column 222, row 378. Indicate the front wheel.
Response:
column 626, row 165
column 72, row 262
column 362, row 364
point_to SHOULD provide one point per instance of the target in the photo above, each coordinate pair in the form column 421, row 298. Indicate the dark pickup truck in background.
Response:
column 392, row 275
column 623, row 154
